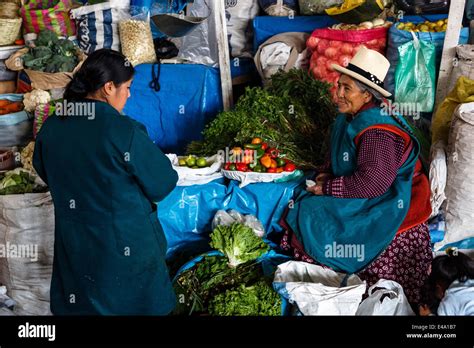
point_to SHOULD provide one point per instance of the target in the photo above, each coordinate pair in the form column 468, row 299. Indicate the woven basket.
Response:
column 9, row 10
column 9, row 30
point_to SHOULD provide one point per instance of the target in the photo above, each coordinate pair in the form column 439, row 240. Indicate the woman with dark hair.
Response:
column 367, row 211
column 450, row 287
column 105, row 176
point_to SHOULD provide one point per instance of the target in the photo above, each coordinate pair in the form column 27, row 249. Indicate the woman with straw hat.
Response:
column 367, row 212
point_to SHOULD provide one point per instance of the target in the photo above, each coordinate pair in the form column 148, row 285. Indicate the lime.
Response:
column 191, row 161
column 194, row 167
column 201, row 162
column 182, row 162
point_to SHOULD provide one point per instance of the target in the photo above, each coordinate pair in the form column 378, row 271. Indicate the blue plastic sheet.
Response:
column 186, row 214
column 267, row 26
column 190, row 97
column 397, row 37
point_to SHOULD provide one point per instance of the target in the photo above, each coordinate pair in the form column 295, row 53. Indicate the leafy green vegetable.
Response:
column 238, row 242
column 46, row 38
column 51, row 54
column 257, row 299
column 198, row 285
column 294, row 114
column 18, row 182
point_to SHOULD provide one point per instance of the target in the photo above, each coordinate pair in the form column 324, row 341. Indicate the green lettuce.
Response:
column 238, row 242
column 257, row 299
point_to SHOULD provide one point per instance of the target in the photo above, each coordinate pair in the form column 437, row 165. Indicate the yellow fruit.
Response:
column 445, row 27
column 440, row 23
column 424, row 28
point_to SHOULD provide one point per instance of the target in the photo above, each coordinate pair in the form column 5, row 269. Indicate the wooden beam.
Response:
column 224, row 54
column 456, row 14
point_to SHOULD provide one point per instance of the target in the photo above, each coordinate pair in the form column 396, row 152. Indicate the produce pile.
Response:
column 19, row 181
column 425, row 27
column 193, row 162
column 258, row 157
column 51, row 54
column 293, row 115
column 232, row 284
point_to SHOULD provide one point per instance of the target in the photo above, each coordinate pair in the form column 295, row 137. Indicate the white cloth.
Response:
column 459, row 299
column 188, row 176
column 276, row 53
column 438, row 176
column 317, row 290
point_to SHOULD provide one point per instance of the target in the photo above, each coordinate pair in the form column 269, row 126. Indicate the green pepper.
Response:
column 280, row 162
column 253, row 146
column 260, row 152
column 232, row 167
column 259, row 169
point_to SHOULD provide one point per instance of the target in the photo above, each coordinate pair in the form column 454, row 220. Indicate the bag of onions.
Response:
column 338, row 44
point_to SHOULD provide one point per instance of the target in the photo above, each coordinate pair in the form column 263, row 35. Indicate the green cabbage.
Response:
column 238, row 242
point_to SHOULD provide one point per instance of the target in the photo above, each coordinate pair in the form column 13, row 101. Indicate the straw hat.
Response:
column 369, row 67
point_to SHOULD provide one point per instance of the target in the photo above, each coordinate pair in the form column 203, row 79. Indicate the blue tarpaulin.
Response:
column 190, row 97
column 267, row 26
column 186, row 214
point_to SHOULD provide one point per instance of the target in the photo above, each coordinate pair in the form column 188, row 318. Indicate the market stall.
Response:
column 242, row 162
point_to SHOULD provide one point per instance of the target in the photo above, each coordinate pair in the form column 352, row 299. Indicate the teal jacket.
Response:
column 105, row 174
column 347, row 234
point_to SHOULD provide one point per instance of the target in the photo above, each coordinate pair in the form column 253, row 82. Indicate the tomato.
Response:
column 331, row 52
column 290, row 167
column 280, row 170
column 344, row 60
column 264, row 146
column 271, row 170
column 273, row 152
column 227, row 166
column 347, row 48
column 241, row 167
column 273, row 164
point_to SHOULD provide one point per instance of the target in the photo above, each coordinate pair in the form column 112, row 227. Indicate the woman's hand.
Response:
column 316, row 189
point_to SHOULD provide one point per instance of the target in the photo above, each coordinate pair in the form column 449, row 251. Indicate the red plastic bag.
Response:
column 331, row 46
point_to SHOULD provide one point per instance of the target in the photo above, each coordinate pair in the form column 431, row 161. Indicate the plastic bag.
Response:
column 312, row 7
column 136, row 40
column 97, row 25
column 415, row 77
column 316, row 290
column 39, row 15
column 386, row 297
column 438, row 176
column 227, row 218
column 279, row 8
column 397, row 37
column 356, row 11
column 200, row 45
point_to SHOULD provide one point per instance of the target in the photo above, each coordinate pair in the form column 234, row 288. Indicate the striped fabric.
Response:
column 39, row 15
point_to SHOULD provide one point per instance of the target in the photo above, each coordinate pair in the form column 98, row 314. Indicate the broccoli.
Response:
column 46, row 38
